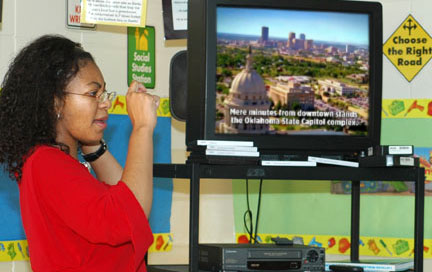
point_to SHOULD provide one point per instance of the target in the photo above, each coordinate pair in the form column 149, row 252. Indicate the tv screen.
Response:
column 292, row 76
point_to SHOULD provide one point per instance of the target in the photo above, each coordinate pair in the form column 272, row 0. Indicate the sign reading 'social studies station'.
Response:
column 409, row 48
column 141, row 55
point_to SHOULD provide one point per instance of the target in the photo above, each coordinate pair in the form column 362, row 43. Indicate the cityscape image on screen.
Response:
column 291, row 72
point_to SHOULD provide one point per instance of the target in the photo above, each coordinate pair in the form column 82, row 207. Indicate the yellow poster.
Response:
column 409, row 48
column 114, row 12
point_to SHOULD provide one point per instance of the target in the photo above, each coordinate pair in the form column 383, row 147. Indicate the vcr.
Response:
column 260, row 257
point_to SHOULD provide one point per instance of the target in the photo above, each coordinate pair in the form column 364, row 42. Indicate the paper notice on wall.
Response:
column 73, row 14
column 179, row 14
column 114, row 12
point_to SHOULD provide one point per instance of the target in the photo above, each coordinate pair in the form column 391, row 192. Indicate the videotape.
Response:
column 260, row 257
column 389, row 161
column 383, row 150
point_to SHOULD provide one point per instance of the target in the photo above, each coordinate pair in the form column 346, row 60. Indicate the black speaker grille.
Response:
column 178, row 86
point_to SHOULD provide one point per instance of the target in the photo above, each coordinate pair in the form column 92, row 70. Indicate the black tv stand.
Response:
column 197, row 171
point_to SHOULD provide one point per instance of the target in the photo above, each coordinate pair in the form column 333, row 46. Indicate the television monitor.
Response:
column 293, row 76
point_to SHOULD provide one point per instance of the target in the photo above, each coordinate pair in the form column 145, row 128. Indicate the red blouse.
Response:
column 73, row 222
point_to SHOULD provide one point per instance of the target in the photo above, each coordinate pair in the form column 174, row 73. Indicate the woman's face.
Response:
column 82, row 118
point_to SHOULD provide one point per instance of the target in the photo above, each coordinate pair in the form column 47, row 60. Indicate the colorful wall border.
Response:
column 340, row 245
column 14, row 251
column 18, row 250
column 406, row 108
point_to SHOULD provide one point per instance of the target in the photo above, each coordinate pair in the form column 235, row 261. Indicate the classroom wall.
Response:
column 24, row 20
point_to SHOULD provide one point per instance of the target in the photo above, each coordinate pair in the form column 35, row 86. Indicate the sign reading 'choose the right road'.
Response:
column 409, row 48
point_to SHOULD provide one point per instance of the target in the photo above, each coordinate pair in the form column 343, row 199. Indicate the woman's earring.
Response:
column 58, row 116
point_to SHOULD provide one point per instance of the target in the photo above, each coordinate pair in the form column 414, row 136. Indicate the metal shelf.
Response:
column 196, row 171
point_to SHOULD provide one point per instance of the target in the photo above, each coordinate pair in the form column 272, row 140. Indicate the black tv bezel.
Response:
column 202, row 83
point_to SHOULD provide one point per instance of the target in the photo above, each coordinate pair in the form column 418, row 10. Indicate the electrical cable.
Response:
column 258, row 212
column 249, row 217
column 248, row 213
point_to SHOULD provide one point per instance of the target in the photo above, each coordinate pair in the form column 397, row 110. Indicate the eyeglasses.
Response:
column 104, row 96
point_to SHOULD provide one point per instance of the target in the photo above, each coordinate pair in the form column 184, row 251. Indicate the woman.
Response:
column 53, row 102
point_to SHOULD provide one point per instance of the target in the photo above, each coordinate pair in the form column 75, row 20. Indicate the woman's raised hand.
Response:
column 141, row 106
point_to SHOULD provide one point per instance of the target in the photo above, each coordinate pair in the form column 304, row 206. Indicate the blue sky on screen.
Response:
column 352, row 28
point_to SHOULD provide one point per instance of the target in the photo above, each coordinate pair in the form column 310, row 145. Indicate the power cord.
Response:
column 258, row 211
column 248, row 217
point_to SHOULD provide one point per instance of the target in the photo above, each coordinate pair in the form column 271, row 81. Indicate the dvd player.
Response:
column 260, row 257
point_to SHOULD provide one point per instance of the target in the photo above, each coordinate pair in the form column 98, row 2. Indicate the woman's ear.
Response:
column 58, row 107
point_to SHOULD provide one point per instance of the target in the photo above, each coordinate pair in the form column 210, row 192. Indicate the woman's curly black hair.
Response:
column 38, row 74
